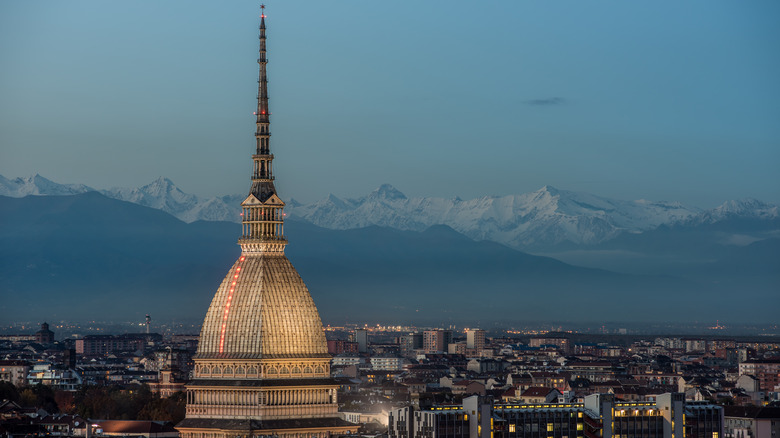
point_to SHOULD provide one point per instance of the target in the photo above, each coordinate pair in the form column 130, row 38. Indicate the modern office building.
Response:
column 600, row 416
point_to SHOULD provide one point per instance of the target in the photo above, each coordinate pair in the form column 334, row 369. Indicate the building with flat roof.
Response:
column 475, row 339
column 14, row 372
column 436, row 341
column 600, row 416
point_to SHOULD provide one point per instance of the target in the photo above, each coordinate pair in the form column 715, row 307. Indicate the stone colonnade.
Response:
column 264, row 397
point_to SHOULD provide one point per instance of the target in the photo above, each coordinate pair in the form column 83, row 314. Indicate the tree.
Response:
column 39, row 396
column 8, row 391
column 95, row 402
column 171, row 409
column 65, row 401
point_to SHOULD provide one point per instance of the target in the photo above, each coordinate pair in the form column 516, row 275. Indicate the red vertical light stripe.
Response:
column 226, row 312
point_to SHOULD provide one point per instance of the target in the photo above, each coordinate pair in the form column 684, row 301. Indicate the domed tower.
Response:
column 262, row 365
column 44, row 335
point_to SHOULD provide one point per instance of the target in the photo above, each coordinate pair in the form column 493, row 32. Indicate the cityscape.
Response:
column 551, row 313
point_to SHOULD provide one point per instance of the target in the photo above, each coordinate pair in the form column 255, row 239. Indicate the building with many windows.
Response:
column 599, row 416
column 100, row 345
column 58, row 378
column 766, row 371
column 751, row 421
column 475, row 339
column 436, row 341
column 14, row 371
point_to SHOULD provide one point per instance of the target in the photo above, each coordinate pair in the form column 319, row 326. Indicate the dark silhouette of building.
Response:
column 44, row 335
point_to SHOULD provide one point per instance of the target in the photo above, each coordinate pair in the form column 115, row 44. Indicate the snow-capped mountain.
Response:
column 38, row 185
column 536, row 220
column 544, row 217
column 161, row 194
column 747, row 208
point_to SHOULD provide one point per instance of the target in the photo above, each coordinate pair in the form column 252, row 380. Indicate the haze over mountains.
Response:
column 79, row 253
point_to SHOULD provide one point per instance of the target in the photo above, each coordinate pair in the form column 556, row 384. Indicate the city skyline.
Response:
column 532, row 344
column 663, row 102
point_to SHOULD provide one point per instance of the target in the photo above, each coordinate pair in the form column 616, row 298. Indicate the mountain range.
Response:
column 545, row 221
column 78, row 251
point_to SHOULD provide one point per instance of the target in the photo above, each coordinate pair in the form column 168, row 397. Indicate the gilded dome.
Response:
column 262, row 310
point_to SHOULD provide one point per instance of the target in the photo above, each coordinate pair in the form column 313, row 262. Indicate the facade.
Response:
column 339, row 346
column 408, row 344
column 387, row 363
column 100, row 345
column 361, row 337
column 436, row 341
column 475, row 339
column 347, row 360
column 751, row 422
column 698, row 345
column 767, row 371
column 262, row 367
column 14, row 372
column 599, row 416
column 58, row 378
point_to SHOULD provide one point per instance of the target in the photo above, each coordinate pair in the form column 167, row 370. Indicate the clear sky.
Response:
column 662, row 100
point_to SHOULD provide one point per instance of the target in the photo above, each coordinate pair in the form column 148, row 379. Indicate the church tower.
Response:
column 262, row 367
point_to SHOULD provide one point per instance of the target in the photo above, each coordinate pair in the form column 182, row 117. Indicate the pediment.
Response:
column 275, row 201
column 251, row 200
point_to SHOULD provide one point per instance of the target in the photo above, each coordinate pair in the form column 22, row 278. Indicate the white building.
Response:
column 347, row 360
column 387, row 363
column 62, row 379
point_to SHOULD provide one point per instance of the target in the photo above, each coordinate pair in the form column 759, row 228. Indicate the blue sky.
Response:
column 658, row 100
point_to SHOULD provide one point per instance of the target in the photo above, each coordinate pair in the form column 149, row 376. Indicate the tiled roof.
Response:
column 536, row 391
column 752, row 412
column 130, row 427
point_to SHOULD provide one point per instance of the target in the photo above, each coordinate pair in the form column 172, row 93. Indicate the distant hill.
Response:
column 87, row 256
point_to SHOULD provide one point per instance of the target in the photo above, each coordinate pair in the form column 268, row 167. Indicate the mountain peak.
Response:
column 161, row 182
column 386, row 191
column 549, row 189
column 161, row 186
column 38, row 185
column 744, row 207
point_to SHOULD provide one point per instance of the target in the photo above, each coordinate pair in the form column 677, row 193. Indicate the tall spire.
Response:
column 263, row 214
